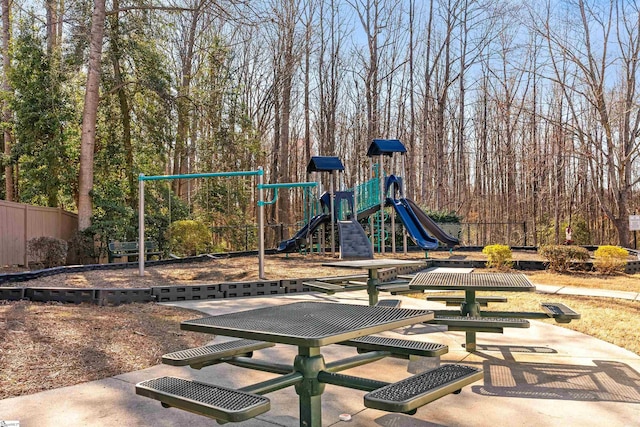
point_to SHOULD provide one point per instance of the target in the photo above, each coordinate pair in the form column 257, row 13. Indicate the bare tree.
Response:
column 6, row 110
column 603, row 40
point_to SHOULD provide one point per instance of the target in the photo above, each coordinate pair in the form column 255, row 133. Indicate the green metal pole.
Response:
column 470, row 307
column 372, row 286
column 309, row 363
column 141, row 258
column 261, row 274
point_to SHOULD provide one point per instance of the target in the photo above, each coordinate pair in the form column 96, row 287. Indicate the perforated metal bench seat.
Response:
column 418, row 390
column 479, row 323
column 345, row 278
column 397, row 288
column 397, row 347
column 329, row 288
column 391, row 303
column 204, row 399
column 452, row 300
column 203, row 356
column 560, row 312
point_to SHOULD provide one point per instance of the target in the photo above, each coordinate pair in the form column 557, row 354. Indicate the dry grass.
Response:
column 617, row 282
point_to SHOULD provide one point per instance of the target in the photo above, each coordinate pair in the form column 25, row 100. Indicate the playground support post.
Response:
column 381, row 231
column 403, row 195
column 261, row 274
column 141, row 258
column 333, row 212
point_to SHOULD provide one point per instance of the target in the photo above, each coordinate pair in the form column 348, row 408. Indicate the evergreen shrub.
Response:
column 498, row 256
column 188, row 238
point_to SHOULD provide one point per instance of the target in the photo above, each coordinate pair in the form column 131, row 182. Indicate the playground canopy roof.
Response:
column 385, row 147
column 324, row 164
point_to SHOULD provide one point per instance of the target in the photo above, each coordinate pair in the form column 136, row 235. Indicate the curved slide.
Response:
column 414, row 228
column 431, row 226
column 296, row 242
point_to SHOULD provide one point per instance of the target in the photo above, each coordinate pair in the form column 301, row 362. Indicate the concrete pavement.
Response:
column 545, row 375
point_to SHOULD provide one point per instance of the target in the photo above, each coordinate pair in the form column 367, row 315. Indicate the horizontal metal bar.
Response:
column 288, row 185
column 350, row 381
column 260, row 365
column 352, row 362
column 142, row 177
column 274, row 384
column 516, row 314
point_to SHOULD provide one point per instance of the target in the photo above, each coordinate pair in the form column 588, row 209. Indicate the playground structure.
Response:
column 344, row 208
column 367, row 201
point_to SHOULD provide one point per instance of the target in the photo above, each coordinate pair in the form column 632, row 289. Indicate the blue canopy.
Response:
column 324, row 164
column 385, row 147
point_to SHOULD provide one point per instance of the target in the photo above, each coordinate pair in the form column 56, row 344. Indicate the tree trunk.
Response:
column 6, row 110
column 89, row 115
column 181, row 153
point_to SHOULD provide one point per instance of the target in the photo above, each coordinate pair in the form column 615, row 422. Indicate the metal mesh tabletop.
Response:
column 373, row 263
column 308, row 324
column 508, row 282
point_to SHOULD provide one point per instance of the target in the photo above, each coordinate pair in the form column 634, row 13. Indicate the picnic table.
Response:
column 372, row 266
column 309, row 326
column 470, row 318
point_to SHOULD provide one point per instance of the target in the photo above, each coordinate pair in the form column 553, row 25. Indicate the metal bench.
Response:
column 411, row 393
column 200, row 357
column 341, row 279
column 204, row 399
column 328, row 288
column 557, row 311
column 129, row 249
column 332, row 288
column 397, row 347
column 452, row 300
column 390, row 303
column 560, row 312
column 479, row 323
column 397, row 288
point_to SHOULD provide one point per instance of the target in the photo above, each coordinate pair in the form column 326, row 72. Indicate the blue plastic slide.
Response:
column 415, row 230
column 430, row 225
column 299, row 240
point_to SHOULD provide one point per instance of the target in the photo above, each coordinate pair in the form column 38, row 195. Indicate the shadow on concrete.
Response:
column 607, row 381
column 516, row 349
column 401, row 420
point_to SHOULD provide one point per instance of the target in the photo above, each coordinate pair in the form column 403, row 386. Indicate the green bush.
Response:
column 48, row 251
column 188, row 238
column 498, row 256
column 561, row 257
column 610, row 259
column 442, row 217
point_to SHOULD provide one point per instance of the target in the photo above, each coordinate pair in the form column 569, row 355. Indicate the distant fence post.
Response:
column 26, row 236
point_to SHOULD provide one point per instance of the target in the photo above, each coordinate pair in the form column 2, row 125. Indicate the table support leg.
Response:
column 470, row 307
column 372, row 287
column 470, row 344
column 309, row 363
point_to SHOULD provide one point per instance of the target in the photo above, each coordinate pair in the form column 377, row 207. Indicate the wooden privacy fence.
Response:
column 20, row 222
